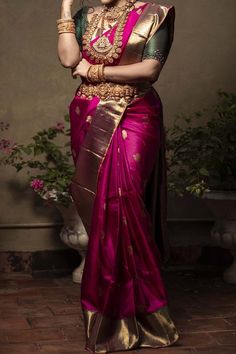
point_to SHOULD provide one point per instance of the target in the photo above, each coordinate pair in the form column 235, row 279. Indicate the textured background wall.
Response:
column 36, row 90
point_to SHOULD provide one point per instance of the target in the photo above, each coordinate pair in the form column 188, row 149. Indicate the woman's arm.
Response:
column 146, row 70
column 153, row 59
column 68, row 47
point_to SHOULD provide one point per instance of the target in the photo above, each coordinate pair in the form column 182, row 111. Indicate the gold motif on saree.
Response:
column 77, row 110
column 125, row 220
column 89, row 119
column 124, row 134
column 137, row 157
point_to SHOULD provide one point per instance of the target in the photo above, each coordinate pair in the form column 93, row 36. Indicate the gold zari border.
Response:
column 104, row 334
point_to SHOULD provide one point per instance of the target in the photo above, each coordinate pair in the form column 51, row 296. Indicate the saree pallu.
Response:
column 116, row 145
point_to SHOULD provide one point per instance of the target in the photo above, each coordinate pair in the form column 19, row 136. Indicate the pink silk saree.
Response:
column 117, row 148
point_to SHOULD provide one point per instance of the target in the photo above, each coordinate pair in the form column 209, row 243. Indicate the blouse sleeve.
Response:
column 159, row 45
column 80, row 19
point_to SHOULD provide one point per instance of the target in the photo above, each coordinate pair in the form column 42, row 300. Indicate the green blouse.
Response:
column 157, row 48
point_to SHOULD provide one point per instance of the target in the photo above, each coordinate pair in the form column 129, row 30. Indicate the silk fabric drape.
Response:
column 123, row 296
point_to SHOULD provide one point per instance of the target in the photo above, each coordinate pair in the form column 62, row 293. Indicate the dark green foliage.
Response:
column 202, row 156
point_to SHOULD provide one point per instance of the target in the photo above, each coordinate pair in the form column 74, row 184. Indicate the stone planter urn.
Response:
column 74, row 235
column 223, row 234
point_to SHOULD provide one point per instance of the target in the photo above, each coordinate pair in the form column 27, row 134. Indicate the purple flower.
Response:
column 37, row 184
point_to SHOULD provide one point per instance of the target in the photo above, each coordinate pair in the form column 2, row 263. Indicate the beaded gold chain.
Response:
column 113, row 13
column 103, row 51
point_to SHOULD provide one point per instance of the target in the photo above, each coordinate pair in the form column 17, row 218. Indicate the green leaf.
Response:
column 38, row 150
column 67, row 117
column 27, row 150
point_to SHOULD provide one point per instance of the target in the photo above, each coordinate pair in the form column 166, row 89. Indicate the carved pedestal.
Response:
column 74, row 235
column 223, row 233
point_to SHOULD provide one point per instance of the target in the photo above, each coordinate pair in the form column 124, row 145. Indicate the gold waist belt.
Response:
column 109, row 90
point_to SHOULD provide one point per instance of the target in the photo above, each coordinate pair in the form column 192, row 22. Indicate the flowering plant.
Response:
column 47, row 161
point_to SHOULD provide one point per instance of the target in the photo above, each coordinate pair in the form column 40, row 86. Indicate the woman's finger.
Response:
column 76, row 72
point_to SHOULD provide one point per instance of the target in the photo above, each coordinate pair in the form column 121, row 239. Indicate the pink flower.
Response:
column 8, row 150
column 7, row 146
column 4, row 144
column 60, row 126
column 37, row 184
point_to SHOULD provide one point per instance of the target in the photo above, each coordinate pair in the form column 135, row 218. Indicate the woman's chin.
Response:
column 109, row 2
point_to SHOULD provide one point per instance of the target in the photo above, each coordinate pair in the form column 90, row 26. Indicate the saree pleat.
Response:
column 116, row 146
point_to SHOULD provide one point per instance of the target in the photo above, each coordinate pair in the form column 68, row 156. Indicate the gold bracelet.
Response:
column 102, row 77
column 95, row 73
column 62, row 20
column 66, row 29
column 88, row 75
column 100, row 69
column 66, row 25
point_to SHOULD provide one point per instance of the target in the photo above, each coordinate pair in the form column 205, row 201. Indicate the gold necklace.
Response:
column 114, row 12
column 103, row 51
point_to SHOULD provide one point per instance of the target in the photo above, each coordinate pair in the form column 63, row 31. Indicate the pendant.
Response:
column 102, row 45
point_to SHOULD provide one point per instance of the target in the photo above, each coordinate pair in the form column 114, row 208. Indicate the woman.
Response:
column 118, row 50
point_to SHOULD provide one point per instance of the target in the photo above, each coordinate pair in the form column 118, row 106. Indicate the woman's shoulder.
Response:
column 153, row 5
column 140, row 3
column 160, row 9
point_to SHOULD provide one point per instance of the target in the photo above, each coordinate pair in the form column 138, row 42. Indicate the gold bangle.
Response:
column 95, row 73
column 65, row 20
column 100, row 72
column 102, row 77
column 66, row 27
column 88, row 75
column 66, row 24
column 66, row 31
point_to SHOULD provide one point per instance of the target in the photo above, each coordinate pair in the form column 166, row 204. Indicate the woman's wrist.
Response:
column 66, row 11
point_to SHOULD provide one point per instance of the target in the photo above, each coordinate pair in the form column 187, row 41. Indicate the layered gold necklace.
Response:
column 102, row 50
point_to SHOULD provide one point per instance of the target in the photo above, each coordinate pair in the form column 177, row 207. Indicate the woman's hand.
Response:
column 67, row 3
column 81, row 69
